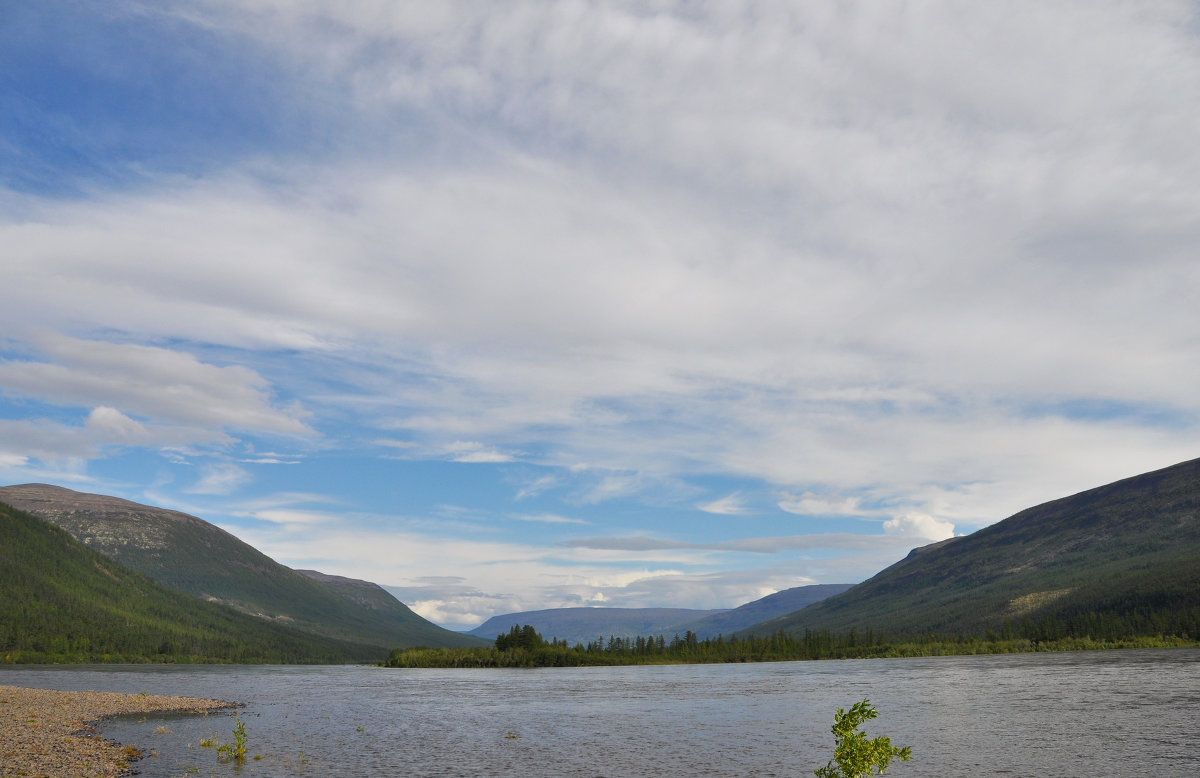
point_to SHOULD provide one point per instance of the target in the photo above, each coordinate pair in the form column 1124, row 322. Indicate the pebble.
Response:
column 46, row 733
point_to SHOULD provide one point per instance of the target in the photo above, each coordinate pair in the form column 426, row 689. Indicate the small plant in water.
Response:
column 236, row 750
column 853, row 755
column 128, row 754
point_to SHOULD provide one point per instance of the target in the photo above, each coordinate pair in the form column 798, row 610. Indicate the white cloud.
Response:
column 472, row 451
column 286, row 509
column 919, row 525
column 112, row 422
column 16, row 469
column 641, row 546
column 224, row 478
column 55, row 442
column 283, row 499
column 45, row 440
column 871, row 255
column 547, row 518
column 729, row 505
column 389, row 443
column 537, row 486
column 610, row 485
column 290, row 516
column 168, row 386
column 809, row 504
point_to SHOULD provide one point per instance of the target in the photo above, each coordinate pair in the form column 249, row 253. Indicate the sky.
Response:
column 520, row 305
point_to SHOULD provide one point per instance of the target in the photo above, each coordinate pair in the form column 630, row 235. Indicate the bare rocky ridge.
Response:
column 107, row 524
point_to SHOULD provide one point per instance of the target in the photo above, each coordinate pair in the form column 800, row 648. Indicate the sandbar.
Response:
column 47, row 733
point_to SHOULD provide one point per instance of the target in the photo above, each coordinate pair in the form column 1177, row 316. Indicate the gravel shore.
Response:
column 46, row 733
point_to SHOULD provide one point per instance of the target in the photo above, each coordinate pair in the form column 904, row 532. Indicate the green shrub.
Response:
column 854, row 756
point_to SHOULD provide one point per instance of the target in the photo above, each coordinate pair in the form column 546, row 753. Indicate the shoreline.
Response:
column 44, row 732
column 749, row 651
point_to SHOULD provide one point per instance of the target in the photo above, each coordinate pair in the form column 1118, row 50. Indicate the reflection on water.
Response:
column 1120, row 713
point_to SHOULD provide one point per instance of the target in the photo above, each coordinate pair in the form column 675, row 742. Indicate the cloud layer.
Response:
column 742, row 274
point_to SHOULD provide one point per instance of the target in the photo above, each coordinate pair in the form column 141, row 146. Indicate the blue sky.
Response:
column 525, row 305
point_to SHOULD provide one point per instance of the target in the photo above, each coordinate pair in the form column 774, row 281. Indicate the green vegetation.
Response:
column 190, row 555
column 524, row 647
column 854, row 756
column 237, row 749
column 62, row 602
column 1115, row 563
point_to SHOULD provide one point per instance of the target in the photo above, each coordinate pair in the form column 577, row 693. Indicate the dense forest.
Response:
column 1110, row 562
column 525, row 647
column 188, row 554
column 62, row 602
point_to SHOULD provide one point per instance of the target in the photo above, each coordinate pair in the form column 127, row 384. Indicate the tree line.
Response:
column 523, row 646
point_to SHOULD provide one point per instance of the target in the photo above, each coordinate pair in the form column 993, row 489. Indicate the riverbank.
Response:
column 780, row 647
column 46, row 733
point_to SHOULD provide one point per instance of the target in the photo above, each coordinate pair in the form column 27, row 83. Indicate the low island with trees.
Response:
column 524, row 646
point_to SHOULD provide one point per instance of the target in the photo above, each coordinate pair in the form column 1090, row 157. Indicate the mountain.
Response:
column 187, row 554
column 583, row 625
column 769, row 607
column 1118, row 560
column 362, row 593
column 63, row 602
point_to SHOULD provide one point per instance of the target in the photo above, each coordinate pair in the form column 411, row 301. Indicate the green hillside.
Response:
column 190, row 555
column 63, row 602
column 377, row 600
column 1112, row 562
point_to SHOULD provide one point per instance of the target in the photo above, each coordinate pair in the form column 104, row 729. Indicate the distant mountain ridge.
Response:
column 769, row 607
column 190, row 555
column 583, row 625
column 1118, row 559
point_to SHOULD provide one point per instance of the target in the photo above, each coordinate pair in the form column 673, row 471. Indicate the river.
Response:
column 1114, row 713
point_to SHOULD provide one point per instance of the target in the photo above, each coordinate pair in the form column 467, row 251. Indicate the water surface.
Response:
column 1117, row 713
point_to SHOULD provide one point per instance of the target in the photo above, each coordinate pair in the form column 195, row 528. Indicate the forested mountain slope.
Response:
column 1117, row 560
column 190, row 555
column 63, row 602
